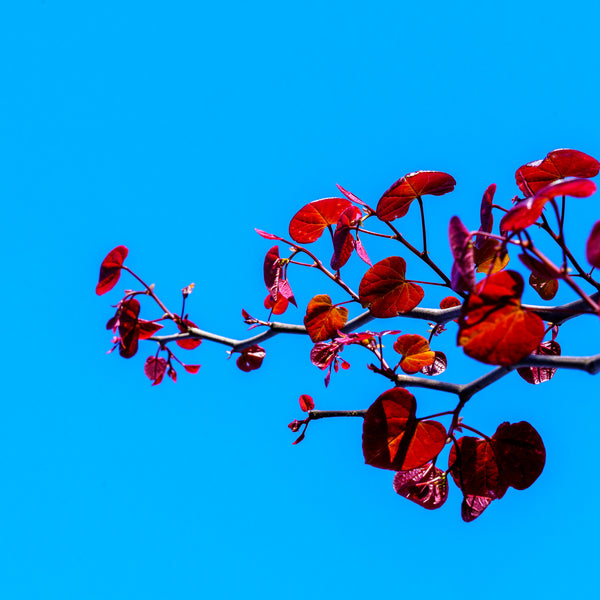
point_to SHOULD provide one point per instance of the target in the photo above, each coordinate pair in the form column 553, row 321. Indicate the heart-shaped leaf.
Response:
column 323, row 320
column 426, row 486
column 309, row 222
column 251, row 358
column 397, row 200
column 416, row 353
column 493, row 327
column 558, row 164
column 546, row 288
column 393, row 438
column 384, row 288
column 110, row 269
column 437, row 367
column 155, row 368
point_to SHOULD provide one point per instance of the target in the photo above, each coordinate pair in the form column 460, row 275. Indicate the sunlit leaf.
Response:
column 397, row 200
column 493, row 327
column 323, row 320
column 306, row 403
column 308, row 223
column 426, row 486
column 558, row 164
column 384, row 288
column 110, row 269
column 415, row 351
column 393, row 438
column 192, row 368
column 449, row 302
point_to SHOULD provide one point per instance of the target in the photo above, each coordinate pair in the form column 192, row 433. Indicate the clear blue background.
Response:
column 175, row 129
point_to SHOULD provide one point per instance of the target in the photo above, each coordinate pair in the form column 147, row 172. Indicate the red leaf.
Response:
column 558, row 164
column 426, row 486
column 520, row 453
column 490, row 257
column 473, row 506
column 528, row 211
column 251, row 358
column 449, row 302
column 463, row 269
column 306, row 403
column 396, row 201
column 343, row 242
column 360, row 250
column 129, row 330
column 273, row 276
column 440, row 362
column 308, row 223
column 493, row 327
column 188, row 344
column 386, row 290
column 487, row 218
column 537, row 267
column 592, row 248
column 110, row 269
column 393, row 438
column 268, row 236
column 278, row 307
column 155, row 368
column 350, row 195
column 193, row 369
column 416, row 353
column 147, row 328
column 323, row 320
column 475, row 469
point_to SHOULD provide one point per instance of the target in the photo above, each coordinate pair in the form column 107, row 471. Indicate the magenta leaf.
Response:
column 155, row 368
column 427, row 486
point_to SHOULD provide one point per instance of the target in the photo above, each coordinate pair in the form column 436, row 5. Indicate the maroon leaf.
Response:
column 129, row 330
column 306, row 403
column 251, row 358
column 360, row 250
column 384, row 288
column 546, row 288
column 592, row 248
column 558, row 164
column 397, row 200
column 393, row 438
column 273, row 276
column 426, row 486
column 308, row 223
column 110, row 269
column 487, row 218
column 520, row 453
column 146, row 329
column 343, row 242
column 463, row 269
column 537, row 267
column 155, row 368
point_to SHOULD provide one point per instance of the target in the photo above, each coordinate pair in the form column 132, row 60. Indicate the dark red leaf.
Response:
column 110, row 269
column 397, row 200
column 350, row 195
column 308, row 223
column 323, row 320
column 493, row 327
column 537, row 267
column 415, row 351
column 487, row 218
column 426, row 486
column 129, row 330
column 251, row 358
column 592, row 248
column 558, row 164
column 475, row 469
column 440, row 362
column 273, row 276
column 384, row 288
column 193, row 369
column 188, row 344
column 155, row 368
column 490, row 257
column 306, row 403
column 147, row 328
column 520, row 452
column 343, row 242
column 463, row 269
column 268, row 236
column 360, row 250
column 536, row 375
column 393, row 438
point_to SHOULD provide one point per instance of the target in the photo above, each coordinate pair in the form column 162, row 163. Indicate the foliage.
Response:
column 494, row 326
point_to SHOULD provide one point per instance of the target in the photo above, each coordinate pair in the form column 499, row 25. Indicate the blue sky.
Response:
column 175, row 130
